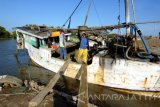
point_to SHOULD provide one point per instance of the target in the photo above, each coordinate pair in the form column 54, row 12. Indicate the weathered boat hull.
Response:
column 119, row 73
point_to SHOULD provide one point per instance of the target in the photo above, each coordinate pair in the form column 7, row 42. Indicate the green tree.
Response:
column 14, row 34
column 4, row 33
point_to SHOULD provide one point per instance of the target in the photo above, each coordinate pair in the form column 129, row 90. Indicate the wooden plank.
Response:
column 83, row 89
column 79, row 73
column 38, row 98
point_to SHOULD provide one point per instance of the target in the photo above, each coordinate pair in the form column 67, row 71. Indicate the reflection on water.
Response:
column 99, row 95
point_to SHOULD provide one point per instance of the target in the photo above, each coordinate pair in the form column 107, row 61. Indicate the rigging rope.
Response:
column 97, row 13
column 72, row 13
column 119, row 11
column 82, row 6
column 98, row 16
column 119, row 17
column 119, row 31
column 134, row 15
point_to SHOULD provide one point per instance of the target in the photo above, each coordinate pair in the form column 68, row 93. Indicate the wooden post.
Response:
column 83, row 89
column 79, row 73
column 38, row 98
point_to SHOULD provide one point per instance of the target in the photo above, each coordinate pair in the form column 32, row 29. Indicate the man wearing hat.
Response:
column 83, row 51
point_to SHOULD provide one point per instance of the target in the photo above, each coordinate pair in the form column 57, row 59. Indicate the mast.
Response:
column 87, row 13
column 127, row 17
column 134, row 13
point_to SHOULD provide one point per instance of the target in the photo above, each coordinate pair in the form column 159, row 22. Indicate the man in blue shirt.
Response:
column 83, row 51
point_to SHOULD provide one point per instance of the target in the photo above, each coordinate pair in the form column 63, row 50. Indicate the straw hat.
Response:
column 83, row 32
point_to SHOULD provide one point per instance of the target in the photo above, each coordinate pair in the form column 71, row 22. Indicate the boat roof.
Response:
column 34, row 33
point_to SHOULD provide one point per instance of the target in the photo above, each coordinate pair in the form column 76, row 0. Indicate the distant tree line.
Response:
column 5, row 34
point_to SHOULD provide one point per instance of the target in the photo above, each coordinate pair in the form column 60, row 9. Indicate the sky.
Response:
column 16, row 13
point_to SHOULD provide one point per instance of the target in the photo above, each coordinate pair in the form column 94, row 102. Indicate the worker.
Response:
column 83, row 49
column 49, row 43
column 62, row 45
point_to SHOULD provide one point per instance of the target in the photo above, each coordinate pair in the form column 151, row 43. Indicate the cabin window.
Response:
column 31, row 40
column 42, row 42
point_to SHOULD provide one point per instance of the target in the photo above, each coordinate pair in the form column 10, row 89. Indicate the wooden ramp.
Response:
column 38, row 98
column 83, row 89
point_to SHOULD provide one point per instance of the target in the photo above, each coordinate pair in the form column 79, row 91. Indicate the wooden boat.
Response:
column 119, row 73
column 103, row 70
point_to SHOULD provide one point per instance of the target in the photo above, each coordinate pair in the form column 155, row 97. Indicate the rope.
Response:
column 72, row 13
column 134, row 15
column 118, row 28
column 119, row 11
column 82, row 6
column 141, row 58
column 97, row 13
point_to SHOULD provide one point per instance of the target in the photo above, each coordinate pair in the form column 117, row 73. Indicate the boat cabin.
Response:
column 48, row 43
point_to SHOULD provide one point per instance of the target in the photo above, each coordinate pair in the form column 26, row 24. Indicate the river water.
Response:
column 22, row 66
column 99, row 95
column 8, row 63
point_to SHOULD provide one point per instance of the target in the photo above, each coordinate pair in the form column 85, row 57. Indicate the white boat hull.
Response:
column 122, row 74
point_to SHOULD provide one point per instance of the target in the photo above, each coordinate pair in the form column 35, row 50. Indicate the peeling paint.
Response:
column 124, row 74
column 72, row 70
column 145, row 82
column 99, row 76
